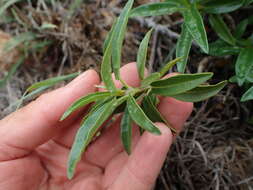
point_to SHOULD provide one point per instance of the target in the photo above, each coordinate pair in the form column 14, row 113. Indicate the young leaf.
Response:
column 183, row 48
column 200, row 93
column 221, row 29
column 142, row 54
column 52, row 81
column 221, row 6
column 152, row 112
column 195, row 26
column 221, row 48
column 139, row 116
column 168, row 66
column 156, row 9
column 248, row 95
column 244, row 65
column 179, row 83
column 151, row 78
column 85, row 134
column 106, row 68
column 126, row 131
column 109, row 36
column 118, row 37
column 86, row 100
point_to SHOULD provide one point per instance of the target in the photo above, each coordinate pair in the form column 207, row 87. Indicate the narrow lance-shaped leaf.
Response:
column 221, row 29
column 126, row 131
column 248, row 95
column 179, row 83
column 200, row 93
column 152, row 112
column 241, row 28
column 169, row 65
column 221, row 6
column 139, row 116
column 51, row 81
column 183, row 48
column 106, row 68
column 109, row 36
column 195, row 26
column 244, row 65
column 118, row 37
column 83, row 101
column 142, row 54
column 87, row 131
column 156, row 9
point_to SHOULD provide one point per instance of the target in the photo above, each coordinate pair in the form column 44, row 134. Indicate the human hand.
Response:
column 34, row 145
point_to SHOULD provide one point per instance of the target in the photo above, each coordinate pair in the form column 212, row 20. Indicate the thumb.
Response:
column 145, row 163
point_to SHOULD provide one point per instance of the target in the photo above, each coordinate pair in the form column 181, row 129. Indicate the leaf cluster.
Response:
column 230, row 43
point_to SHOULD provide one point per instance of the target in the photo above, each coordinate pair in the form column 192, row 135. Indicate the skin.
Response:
column 34, row 145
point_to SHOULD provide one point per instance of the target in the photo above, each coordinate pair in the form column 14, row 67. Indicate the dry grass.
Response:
column 215, row 150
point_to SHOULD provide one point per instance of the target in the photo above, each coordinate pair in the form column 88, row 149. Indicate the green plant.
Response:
column 137, row 104
column 193, row 29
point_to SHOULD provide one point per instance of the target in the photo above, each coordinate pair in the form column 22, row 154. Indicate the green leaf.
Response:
column 109, row 36
column 156, row 9
column 168, row 66
column 118, row 37
column 85, row 134
column 142, row 54
column 221, row 29
column 149, row 108
column 221, row 48
column 7, row 4
column 248, row 95
column 195, row 26
column 106, row 68
column 241, row 28
column 183, row 48
column 247, row 2
column 126, row 131
column 12, row 72
column 83, row 101
column 17, row 40
column 87, row 131
column 244, row 65
column 179, row 83
column 139, row 116
column 221, row 6
column 151, row 78
column 200, row 93
column 51, row 81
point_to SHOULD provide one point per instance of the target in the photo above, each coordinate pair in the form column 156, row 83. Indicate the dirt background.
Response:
column 216, row 149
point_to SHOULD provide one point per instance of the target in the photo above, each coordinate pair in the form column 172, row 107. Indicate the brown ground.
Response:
column 215, row 150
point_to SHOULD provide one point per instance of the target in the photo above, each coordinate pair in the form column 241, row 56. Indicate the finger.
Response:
column 175, row 112
column 38, row 122
column 144, row 164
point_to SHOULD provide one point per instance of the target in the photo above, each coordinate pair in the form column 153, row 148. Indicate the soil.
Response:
column 215, row 151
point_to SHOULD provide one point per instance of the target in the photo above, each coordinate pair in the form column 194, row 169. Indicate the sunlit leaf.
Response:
column 139, row 116
column 179, row 83
column 142, row 54
column 200, row 93
column 126, row 131
column 248, row 95
column 195, row 26
column 183, row 48
column 118, row 37
column 109, row 36
column 156, row 9
column 51, row 81
column 221, row 29
column 244, row 65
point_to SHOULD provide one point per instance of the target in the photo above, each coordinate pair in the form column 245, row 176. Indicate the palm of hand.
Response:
column 33, row 155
